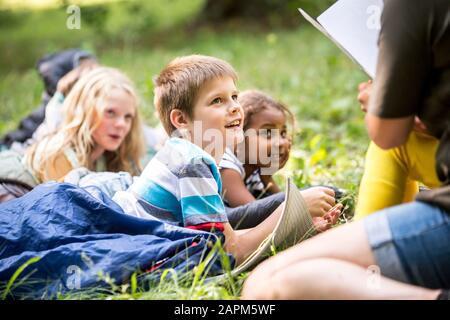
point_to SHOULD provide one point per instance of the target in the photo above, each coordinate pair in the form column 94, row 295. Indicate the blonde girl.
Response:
column 101, row 129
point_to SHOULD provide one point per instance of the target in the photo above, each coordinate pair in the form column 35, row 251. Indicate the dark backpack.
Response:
column 11, row 189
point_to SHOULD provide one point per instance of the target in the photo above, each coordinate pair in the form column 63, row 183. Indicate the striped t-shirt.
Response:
column 181, row 185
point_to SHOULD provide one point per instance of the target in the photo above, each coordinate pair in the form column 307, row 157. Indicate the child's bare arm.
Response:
column 270, row 184
column 318, row 199
column 234, row 189
column 242, row 243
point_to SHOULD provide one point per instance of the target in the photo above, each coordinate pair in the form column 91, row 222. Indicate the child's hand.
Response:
column 330, row 218
column 319, row 200
column 364, row 89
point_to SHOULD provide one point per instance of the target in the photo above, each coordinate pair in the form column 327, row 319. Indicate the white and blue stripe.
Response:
column 183, row 180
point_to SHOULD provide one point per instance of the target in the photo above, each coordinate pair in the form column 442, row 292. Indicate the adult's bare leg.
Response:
column 332, row 265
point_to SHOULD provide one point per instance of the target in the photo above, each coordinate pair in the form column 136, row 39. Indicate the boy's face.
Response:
column 218, row 117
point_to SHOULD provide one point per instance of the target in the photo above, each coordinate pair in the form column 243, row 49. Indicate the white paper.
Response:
column 354, row 25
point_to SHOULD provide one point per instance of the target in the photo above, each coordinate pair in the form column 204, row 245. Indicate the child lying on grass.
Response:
column 101, row 129
column 197, row 100
column 247, row 169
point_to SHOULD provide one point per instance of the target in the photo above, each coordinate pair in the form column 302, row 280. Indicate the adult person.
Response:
column 409, row 244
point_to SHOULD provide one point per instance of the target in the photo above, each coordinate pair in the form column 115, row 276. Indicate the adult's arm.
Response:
column 388, row 133
column 402, row 71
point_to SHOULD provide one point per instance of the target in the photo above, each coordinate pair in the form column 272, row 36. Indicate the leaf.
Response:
column 318, row 156
column 17, row 274
column 133, row 283
column 313, row 143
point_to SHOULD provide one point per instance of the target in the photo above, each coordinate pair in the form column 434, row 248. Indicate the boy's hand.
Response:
column 365, row 90
column 319, row 200
column 329, row 219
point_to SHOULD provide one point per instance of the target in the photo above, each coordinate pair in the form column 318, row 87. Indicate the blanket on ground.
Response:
column 77, row 237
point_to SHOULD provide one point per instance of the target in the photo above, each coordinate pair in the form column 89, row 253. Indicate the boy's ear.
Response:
column 178, row 119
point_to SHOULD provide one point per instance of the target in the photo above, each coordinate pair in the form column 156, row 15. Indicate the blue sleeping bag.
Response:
column 77, row 236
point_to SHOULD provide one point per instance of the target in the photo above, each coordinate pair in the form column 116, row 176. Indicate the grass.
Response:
column 297, row 66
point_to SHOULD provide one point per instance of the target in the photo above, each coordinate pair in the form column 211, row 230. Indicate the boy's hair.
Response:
column 254, row 101
column 178, row 84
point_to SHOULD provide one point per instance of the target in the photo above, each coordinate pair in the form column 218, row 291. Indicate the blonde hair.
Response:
column 83, row 110
column 179, row 82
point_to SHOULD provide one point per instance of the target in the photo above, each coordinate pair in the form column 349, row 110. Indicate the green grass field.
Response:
column 298, row 66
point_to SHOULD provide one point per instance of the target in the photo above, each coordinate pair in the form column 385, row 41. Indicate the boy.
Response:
column 196, row 99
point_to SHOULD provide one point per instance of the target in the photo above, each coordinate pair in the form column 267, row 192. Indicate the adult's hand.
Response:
column 365, row 90
column 420, row 126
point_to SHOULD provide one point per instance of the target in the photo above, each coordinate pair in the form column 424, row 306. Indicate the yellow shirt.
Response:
column 58, row 169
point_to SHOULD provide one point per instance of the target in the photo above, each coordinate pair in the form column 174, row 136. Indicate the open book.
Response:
column 354, row 26
column 294, row 225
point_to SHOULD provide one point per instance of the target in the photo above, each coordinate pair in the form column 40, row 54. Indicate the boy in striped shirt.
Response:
column 196, row 99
